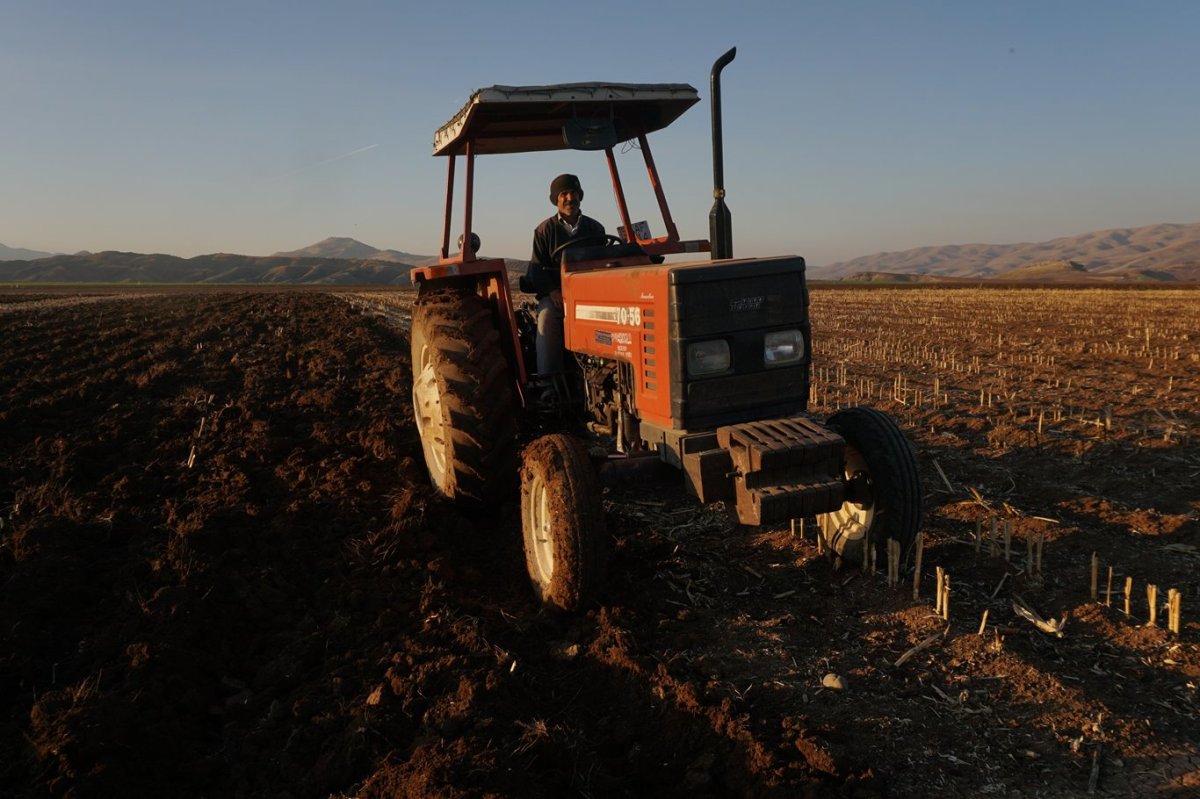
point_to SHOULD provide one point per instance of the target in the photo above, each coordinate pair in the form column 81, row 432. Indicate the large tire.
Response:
column 884, row 487
column 462, row 398
column 562, row 522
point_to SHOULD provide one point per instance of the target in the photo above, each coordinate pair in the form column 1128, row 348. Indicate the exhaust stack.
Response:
column 720, row 221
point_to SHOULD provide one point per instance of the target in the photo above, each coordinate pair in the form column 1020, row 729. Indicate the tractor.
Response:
column 700, row 361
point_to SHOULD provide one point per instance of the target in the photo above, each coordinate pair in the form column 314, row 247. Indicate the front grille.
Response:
column 739, row 301
column 738, row 398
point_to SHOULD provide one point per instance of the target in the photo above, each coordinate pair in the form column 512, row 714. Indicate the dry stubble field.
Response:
column 223, row 573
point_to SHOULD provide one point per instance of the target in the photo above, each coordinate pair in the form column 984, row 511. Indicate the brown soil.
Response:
column 223, row 573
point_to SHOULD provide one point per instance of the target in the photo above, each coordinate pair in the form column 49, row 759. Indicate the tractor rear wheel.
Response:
column 463, row 398
column 562, row 522
column 883, row 492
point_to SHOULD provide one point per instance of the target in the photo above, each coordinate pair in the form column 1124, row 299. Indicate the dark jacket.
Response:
column 544, row 272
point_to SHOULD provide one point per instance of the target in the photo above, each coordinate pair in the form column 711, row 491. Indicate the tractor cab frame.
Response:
column 522, row 119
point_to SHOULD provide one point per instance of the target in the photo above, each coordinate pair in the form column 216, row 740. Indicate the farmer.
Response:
column 543, row 274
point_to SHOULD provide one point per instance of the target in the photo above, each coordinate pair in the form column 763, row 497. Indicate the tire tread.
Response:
column 476, row 392
column 562, row 463
column 893, row 470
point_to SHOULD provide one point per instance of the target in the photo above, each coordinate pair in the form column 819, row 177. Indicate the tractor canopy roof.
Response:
column 583, row 116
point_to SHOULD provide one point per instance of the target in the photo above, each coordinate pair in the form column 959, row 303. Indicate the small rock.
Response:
column 835, row 681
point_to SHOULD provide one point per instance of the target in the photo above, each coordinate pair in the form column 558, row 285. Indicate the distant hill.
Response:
column 342, row 247
column 891, row 277
column 1165, row 253
column 20, row 254
column 1049, row 272
column 130, row 267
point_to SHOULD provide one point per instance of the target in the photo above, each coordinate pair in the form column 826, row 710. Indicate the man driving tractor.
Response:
column 543, row 274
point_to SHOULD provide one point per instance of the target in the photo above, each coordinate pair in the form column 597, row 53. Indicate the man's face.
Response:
column 568, row 203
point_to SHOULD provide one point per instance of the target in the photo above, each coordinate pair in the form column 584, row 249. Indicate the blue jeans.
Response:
column 549, row 337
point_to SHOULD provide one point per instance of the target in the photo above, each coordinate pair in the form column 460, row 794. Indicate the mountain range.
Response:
column 132, row 267
column 1153, row 253
column 1163, row 253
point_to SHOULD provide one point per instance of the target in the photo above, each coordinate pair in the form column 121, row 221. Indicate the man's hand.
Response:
column 556, row 298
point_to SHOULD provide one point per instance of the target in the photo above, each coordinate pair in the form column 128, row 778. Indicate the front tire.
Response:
column 463, row 398
column 883, row 487
column 562, row 523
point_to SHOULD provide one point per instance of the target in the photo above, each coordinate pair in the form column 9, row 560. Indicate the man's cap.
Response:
column 563, row 183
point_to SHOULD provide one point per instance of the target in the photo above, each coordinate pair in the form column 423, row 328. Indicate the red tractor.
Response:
column 703, row 364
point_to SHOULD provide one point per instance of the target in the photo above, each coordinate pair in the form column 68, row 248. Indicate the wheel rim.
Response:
column 431, row 424
column 853, row 520
column 538, row 521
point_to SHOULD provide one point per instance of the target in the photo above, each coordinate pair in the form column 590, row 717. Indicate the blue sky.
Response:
column 851, row 127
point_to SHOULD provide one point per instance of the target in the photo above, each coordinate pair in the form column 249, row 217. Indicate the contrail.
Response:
column 346, row 155
column 303, row 169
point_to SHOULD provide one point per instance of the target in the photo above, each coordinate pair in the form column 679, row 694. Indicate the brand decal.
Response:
column 628, row 315
column 604, row 337
column 741, row 304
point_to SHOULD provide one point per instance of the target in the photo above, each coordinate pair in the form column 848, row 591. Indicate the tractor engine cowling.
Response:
column 708, row 343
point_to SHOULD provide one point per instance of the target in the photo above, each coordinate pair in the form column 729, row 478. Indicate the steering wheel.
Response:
column 583, row 241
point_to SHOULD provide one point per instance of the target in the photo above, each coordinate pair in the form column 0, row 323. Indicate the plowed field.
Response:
column 223, row 571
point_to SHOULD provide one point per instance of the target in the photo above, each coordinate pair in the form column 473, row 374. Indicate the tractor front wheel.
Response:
column 883, row 487
column 562, row 520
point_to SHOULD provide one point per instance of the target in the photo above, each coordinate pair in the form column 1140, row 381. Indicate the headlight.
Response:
column 708, row 357
column 783, row 347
